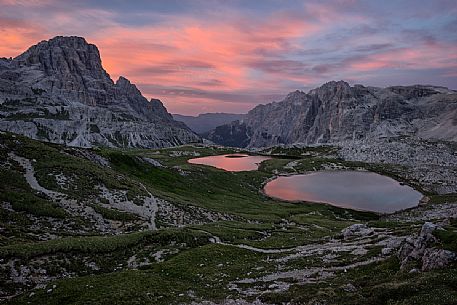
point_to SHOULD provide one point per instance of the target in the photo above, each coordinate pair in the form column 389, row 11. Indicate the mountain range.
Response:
column 58, row 91
column 207, row 121
column 337, row 112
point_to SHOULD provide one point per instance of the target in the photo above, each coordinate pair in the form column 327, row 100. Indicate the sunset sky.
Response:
column 228, row 56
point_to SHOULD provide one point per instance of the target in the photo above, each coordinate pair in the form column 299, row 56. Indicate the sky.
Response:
column 230, row 55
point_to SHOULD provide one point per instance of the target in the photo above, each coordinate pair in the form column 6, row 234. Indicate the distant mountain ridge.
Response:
column 338, row 112
column 207, row 121
column 58, row 91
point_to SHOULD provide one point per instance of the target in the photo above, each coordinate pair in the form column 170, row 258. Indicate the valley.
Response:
column 136, row 226
column 107, row 198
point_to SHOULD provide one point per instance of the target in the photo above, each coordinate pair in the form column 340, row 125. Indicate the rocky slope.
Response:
column 58, row 91
column 432, row 163
column 207, row 121
column 337, row 112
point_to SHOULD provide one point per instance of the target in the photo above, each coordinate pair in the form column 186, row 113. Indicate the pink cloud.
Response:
column 221, row 49
column 218, row 54
column 427, row 56
column 17, row 35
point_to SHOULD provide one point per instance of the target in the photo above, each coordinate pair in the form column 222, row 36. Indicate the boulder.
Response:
column 349, row 288
column 406, row 248
column 356, row 230
column 413, row 248
column 420, row 249
column 386, row 251
column 428, row 228
column 434, row 258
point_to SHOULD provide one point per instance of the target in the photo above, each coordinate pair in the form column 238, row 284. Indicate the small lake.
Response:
column 231, row 162
column 357, row 190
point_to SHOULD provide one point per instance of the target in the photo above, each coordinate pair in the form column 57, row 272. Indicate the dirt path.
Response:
column 329, row 253
column 31, row 179
column 153, row 207
column 70, row 205
column 382, row 237
column 120, row 201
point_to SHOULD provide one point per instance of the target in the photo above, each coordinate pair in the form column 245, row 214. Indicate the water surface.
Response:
column 349, row 189
column 231, row 162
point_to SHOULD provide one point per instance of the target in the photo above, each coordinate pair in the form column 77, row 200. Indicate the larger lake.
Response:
column 231, row 162
column 349, row 189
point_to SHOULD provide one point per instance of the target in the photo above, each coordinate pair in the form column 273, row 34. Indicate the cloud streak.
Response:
column 201, row 56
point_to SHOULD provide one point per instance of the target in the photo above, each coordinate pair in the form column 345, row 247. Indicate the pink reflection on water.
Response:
column 231, row 162
column 279, row 189
column 350, row 189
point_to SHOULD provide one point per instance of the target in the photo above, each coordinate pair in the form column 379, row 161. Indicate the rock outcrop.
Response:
column 356, row 230
column 421, row 249
column 58, row 91
column 434, row 258
column 338, row 112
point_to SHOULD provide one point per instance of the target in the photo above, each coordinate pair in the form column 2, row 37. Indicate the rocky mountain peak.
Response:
column 336, row 84
column 332, row 90
column 61, row 89
column 295, row 94
column 122, row 82
column 124, row 85
column 64, row 55
column 133, row 96
column 332, row 85
column 158, row 108
column 156, row 103
column 5, row 62
column 336, row 112
column 416, row 91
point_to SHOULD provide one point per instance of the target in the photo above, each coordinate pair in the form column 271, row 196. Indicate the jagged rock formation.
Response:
column 337, row 112
column 205, row 122
column 421, row 248
column 58, row 91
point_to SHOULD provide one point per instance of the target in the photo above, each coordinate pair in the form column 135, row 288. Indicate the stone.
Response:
column 359, row 251
column 152, row 162
column 413, row 248
column 434, row 258
column 387, row 251
column 349, row 288
column 421, row 249
column 356, row 230
column 406, row 248
column 428, row 228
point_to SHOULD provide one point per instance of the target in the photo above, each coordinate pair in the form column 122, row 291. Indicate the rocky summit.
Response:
column 337, row 112
column 58, row 91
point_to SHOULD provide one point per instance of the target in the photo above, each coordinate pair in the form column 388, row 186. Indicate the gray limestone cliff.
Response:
column 337, row 112
column 58, row 91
